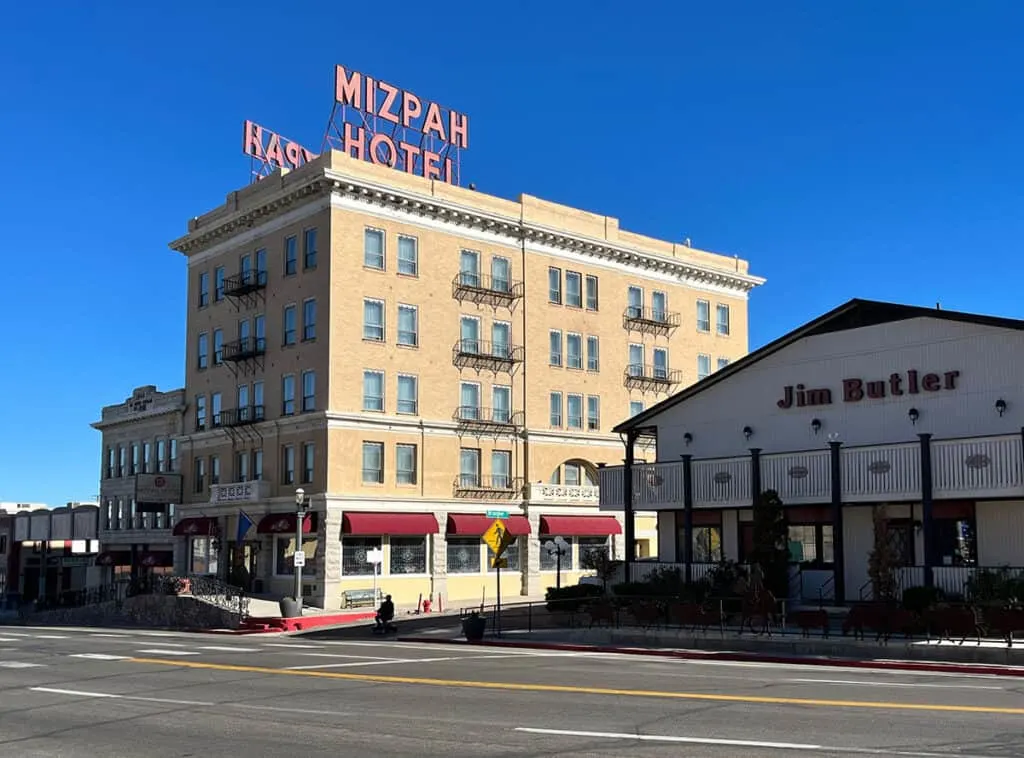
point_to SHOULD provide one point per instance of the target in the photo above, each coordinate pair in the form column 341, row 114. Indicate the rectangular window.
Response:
column 202, row 351
column 555, row 349
column 555, row 285
column 309, row 320
column 463, row 555
column 408, row 325
column 469, row 335
column 659, row 307
column 242, row 402
column 218, row 347
column 501, row 467
column 405, row 464
column 288, row 395
column 373, row 249
column 660, row 363
column 373, row 390
column 161, row 456
column 257, row 399
column 469, row 467
column 287, row 464
column 122, row 461
column 199, row 468
column 204, row 289
column 574, row 351
column 257, row 465
column 245, row 268
column 722, row 319
column 216, row 406
column 308, row 391
column 373, row 320
column 408, row 256
column 703, row 366
column 722, row 363
column 408, row 394
column 309, row 248
column 573, row 289
column 284, row 556
column 261, row 267
column 593, row 354
column 200, row 413
column 593, row 413
column 574, row 411
column 501, row 274
column 172, row 458
column 469, row 401
column 469, row 268
column 291, row 255
column 636, row 360
column 703, row 316
column 511, row 556
column 308, row 461
column 501, row 404
column 501, row 339
column 407, row 555
column 214, row 470
column 134, row 460
column 218, row 283
column 591, row 292
column 289, row 326
column 635, row 407
column 373, row 463
column 635, row 302
column 259, row 324
column 353, row 555
column 555, row 409
column 111, row 464
column 242, row 466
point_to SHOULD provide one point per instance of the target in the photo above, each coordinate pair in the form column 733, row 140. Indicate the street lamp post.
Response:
column 558, row 547
column 301, row 507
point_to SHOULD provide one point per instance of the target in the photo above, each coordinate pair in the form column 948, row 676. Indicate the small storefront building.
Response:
column 874, row 416
column 54, row 553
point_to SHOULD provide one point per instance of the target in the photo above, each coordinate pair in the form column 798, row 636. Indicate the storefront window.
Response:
column 353, row 555
column 707, row 544
column 408, row 555
column 284, row 551
column 202, row 557
column 587, row 545
column 464, row 555
column 511, row 555
column 549, row 562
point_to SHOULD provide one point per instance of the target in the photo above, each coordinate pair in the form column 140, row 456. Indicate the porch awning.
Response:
column 475, row 524
column 199, row 526
column 410, row 524
column 157, row 558
column 283, row 523
column 580, row 526
column 114, row 558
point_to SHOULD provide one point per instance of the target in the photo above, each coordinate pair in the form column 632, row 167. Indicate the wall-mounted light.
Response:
column 688, row 438
column 816, row 425
column 913, row 414
column 1000, row 406
column 748, row 432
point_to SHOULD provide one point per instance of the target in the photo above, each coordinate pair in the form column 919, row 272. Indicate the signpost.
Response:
column 498, row 539
column 376, row 557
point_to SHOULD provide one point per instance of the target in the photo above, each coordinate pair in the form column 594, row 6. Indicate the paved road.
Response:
column 80, row 693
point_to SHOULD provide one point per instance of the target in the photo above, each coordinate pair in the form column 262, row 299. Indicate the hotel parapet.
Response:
column 873, row 404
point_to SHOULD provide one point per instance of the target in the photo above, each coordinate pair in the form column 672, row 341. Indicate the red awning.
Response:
column 283, row 523
column 475, row 524
column 388, row 523
column 195, row 527
column 157, row 558
column 114, row 558
column 580, row 526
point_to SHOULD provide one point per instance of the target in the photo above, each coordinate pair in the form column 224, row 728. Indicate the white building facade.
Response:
column 873, row 404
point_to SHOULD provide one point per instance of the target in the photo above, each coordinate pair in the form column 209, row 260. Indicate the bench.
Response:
column 352, row 598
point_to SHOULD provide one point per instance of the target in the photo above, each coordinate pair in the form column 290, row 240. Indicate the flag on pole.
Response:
column 245, row 523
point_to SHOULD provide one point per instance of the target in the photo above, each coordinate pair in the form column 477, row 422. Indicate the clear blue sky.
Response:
column 861, row 148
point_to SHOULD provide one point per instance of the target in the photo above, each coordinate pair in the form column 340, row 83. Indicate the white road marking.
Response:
column 343, row 655
column 16, row 634
column 826, row 668
column 344, row 665
column 162, row 651
column 244, row 706
column 291, row 645
column 8, row 639
column 736, row 743
column 226, row 649
column 49, row 636
column 19, row 665
column 892, row 684
column 100, row 656
column 105, row 634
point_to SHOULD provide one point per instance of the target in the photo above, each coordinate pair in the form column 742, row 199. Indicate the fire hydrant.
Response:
column 426, row 605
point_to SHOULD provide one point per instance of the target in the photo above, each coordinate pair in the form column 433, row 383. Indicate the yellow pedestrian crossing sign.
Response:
column 497, row 537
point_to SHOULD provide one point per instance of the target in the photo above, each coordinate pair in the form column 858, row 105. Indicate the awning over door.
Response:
column 114, row 558
column 284, row 523
column 580, row 526
column 157, row 559
column 195, row 527
column 475, row 524
column 408, row 524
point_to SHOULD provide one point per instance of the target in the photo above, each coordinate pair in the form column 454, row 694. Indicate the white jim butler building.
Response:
column 916, row 409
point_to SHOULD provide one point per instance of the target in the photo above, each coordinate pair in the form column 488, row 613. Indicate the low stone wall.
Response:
column 152, row 611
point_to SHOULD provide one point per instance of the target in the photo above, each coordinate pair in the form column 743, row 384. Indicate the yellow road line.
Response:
column 561, row 688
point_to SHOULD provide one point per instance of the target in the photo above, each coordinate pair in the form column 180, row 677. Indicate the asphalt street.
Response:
column 80, row 693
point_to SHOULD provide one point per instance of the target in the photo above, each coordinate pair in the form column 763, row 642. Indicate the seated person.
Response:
column 385, row 614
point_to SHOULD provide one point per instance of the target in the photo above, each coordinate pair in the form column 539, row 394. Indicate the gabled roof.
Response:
column 854, row 314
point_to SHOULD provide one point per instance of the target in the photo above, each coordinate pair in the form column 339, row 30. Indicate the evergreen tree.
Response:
column 882, row 560
column 771, row 542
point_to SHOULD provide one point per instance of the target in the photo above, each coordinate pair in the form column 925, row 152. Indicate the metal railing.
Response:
column 207, row 588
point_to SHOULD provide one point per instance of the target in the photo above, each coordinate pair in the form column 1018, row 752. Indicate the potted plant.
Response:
column 473, row 627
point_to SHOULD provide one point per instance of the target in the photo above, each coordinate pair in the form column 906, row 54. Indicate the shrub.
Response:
column 569, row 599
column 920, row 599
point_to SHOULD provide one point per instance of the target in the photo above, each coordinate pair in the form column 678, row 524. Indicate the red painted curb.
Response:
column 937, row 667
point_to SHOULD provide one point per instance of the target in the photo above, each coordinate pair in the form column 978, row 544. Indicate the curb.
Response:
column 795, row 660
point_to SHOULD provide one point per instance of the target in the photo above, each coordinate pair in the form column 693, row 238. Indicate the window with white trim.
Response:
column 373, row 249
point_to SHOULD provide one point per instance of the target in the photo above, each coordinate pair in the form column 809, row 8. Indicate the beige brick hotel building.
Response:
column 414, row 354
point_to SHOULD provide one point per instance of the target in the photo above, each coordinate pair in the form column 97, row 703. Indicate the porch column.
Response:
column 688, row 515
column 839, row 562
column 926, row 505
column 330, row 535
column 629, row 536
column 755, row 475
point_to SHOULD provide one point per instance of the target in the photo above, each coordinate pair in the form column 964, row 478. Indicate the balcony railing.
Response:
column 245, row 349
column 472, row 417
column 245, row 283
column 478, row 354
column 647, row 377
column 563, row 494
column 651, row 320
column 472, row 485
column 248, row 414
column 970, row 468
column 485, row 289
